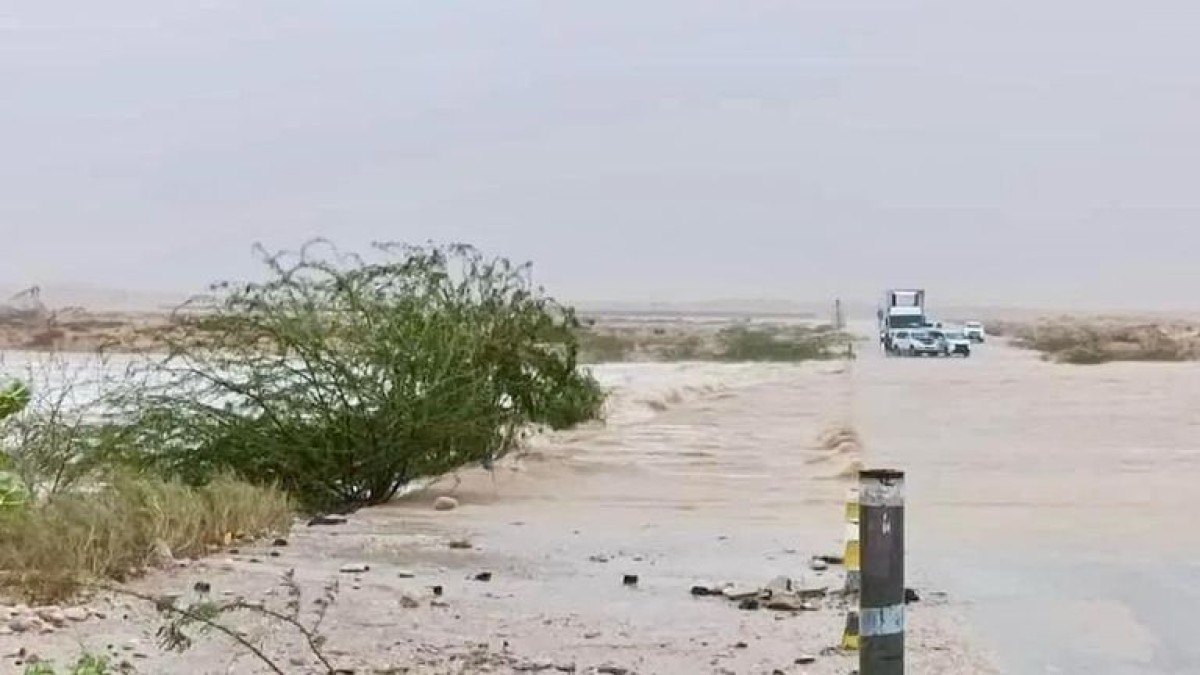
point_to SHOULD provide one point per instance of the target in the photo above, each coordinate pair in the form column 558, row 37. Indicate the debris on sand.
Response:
column 354, row 568
column 630, row 580
column 445, row 504
column 327, row 520
column 461, row 544
column 780, row 594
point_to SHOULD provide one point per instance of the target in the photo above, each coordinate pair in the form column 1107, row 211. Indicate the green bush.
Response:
column 342, row 380
column 86, row 665
column 13, row 493
column 746, row 343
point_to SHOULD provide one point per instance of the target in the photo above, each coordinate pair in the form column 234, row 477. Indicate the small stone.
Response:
column 26, row 624
column 818, row 565
column 592, row 635
column 77, row 614
column 741, row 645
column 805, row 659
column 779, row 584
column 354, row 568
column 130, row 646
column 406, row 574
column 483, row 576
column 52, row 615
column 598, row 558
column 297, row 661
column 445, row 504
column 749, row 605
column 611, row 670
column 327, row 520
column 273, row 554
column 630, row 580
column 408, row 601
column 202, row 587
column 280, row 541
column 739, row 592
column 910, row 595
column 437, row 590
column 162, row 555
column 461, row 544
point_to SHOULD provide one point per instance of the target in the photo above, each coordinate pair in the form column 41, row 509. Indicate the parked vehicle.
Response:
column 956, row 341
column 974, row 331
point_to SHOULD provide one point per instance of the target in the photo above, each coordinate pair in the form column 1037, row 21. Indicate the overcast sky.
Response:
column 1019, row 152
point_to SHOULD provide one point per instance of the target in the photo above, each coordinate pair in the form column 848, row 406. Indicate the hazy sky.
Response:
column 1024, row 151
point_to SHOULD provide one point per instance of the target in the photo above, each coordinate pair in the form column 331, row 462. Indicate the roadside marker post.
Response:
column 850, row 555
column 881, row 597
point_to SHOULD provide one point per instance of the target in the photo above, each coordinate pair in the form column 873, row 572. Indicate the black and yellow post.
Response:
column 881, row 596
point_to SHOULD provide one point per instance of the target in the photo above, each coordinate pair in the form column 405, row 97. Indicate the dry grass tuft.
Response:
column 1085, row 342
column 50, row 550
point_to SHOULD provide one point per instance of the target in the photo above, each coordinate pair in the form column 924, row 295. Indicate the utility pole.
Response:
column 839, row 322
column 881, row 598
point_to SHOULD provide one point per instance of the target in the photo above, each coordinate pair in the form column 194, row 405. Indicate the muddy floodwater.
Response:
column 1049, row 530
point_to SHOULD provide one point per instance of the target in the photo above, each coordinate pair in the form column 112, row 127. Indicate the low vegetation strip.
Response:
column 728, row 343
column 1084, row 341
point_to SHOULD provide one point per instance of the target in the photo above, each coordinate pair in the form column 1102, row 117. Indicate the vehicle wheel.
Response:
column 912, row 351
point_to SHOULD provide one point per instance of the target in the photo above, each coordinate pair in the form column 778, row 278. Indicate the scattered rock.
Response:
column 790, row 604
column 280, row 541
column 273, row 554
column 805, row 659
column 832, row 559
column 77, row 614
column 741, row 645
column 406, row 574
column 354, row 568
column 483, row 576
column 26, row 624
column 162, row 555
column 598, row 558
column 298, row 661
column 910, row 595
column 630, row 580
column 612, row 670
column 461, row 544
column 202, row 587
column 409, row 601
column 591, row 635
column 327, row 520
column 739, row 592
column 749, row 604
column 703, row 591
column 52, row 615
column 778, row 585
column 445, row 504
column 437, row 591
column 818, row 565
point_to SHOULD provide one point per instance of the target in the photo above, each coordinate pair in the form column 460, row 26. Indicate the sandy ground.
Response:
column 1050, row 503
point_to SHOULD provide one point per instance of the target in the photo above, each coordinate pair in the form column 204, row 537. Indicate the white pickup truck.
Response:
column 974, row 331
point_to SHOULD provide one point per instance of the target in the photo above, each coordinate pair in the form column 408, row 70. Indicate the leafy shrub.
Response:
column 13, row 494
column 342, row 380
column 88, row 664
column 746, row 343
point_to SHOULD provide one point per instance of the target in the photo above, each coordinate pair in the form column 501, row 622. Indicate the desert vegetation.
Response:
column 333, row 382
column 1093, row 341
column 740, row 341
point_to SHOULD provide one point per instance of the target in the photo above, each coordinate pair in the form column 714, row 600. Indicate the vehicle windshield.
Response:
column 955, row 336
column 905, row 321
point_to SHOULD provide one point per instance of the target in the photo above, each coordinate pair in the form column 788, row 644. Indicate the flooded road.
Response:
column 1051, row 503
